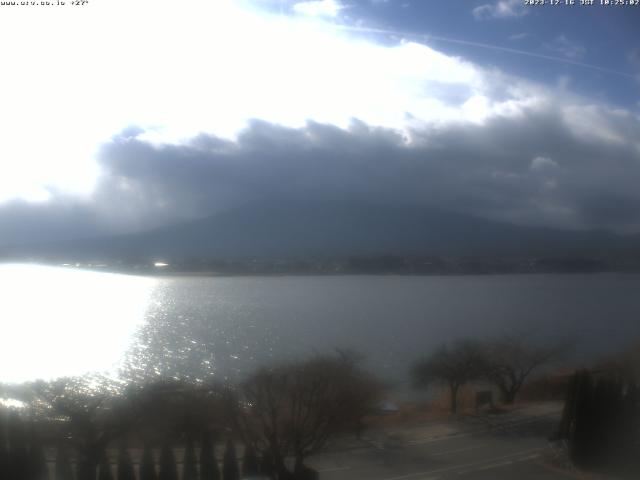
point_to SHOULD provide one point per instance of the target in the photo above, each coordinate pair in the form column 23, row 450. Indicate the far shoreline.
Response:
column 159, row 272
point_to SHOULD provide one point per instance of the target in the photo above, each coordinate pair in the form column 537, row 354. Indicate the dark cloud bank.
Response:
column 531, row 169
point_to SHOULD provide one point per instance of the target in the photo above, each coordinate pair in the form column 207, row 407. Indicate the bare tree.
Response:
column 297, row 408
column 510, row 360
column 257, row 409
column 453, row 366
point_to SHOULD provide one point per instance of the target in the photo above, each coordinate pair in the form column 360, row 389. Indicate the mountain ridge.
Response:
column 333, row 229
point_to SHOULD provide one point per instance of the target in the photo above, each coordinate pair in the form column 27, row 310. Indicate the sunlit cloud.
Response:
column 319, row 8
column 565, row 47
column 543, row 163
column 500, row 9
column 207, row 68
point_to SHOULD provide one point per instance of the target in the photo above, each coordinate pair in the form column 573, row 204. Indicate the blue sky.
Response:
column 603, row 37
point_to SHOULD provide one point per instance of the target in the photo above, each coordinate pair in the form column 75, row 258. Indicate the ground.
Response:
column 511, row 445
column 508, row 444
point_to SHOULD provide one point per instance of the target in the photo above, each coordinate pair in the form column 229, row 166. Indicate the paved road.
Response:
column 512, row 448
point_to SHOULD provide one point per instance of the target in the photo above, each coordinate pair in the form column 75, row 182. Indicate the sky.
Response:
column 119, row 116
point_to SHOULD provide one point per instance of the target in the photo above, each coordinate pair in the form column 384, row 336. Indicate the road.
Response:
column 480, row 448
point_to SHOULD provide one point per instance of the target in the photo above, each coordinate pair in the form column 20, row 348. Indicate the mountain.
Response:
column 293, row 230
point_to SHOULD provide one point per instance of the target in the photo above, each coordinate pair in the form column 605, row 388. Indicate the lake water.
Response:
column 64, row 321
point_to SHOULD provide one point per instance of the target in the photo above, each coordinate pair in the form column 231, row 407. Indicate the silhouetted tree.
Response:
column 305, row 473
column 86, row 468
column 453, row 366
column 189, row 462
column 125, row 465
column 166, row 408
column 168, row 469
column 600, row 420
column 37, row 461
column 577, row 426
column 630, row 425
column 148, row 465
column 63, row 469
column 626, row 364
column 230, row 469
column 267, row 465
column 18, row 448
column 510, row 360
column 89, row 410
column 209, row 469
column 4, row 453
column 296, row 408
column 569, row 408
column 250, row 462
column 104, row 470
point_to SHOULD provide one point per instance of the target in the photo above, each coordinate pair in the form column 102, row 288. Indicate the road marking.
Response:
column 498, row 465
column 336, row 469
column 422, row 441
column 486, row 467
column 421, row 475
column 486, row 429
column 457, row 451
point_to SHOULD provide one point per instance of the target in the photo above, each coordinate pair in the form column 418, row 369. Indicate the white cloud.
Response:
column 634, row 58
column 319, row 8
column 565, row 47
column 218, row 66
column 536, row 158
column 600, row 125
column 563, row 82
column 500, row 9
column 518, row 36
column 543, row 164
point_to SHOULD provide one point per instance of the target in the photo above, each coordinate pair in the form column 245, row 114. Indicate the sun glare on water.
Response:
column 63, row 321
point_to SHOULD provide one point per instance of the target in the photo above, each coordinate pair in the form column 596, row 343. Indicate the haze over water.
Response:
column 65, row 322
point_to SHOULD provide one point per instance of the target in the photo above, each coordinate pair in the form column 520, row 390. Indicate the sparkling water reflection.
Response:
column 64, row 321
column 230, row 325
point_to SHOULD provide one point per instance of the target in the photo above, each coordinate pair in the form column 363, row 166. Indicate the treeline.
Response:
column 22, row 457
column 506, row 363
column 278, row 417
column 361, row 264
column 601, row 421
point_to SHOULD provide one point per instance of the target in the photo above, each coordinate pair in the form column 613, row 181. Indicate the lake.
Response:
column 62, row 321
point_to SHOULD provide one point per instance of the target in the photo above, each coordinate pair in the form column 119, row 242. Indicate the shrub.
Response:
column 230, row 469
